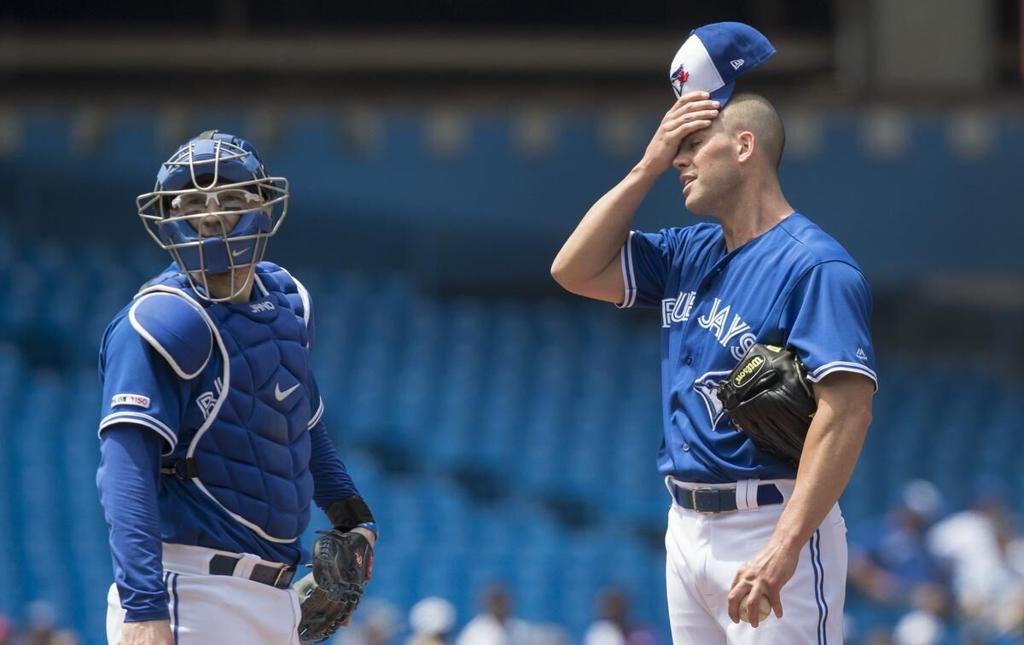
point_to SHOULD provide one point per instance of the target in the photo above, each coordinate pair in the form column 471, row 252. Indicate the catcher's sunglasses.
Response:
column 227, row 199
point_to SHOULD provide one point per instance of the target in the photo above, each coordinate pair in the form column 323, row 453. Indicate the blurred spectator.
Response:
column 549, row 634
column 891, row 563
column 375, row 623
column 42, row 619
column 613, row 625
column 919, row 628
column 42, row 626
column 6, row 632
column 496, row 625
column 432, row 621
column 981, row 546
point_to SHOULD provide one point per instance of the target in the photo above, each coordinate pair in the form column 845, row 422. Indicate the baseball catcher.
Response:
column 767, row 396
column 213, row 444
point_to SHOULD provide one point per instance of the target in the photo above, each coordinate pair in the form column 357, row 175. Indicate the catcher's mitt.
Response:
column 342, row 566
column 767, row 396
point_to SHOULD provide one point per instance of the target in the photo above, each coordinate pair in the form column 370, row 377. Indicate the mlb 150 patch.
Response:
column 137, row 400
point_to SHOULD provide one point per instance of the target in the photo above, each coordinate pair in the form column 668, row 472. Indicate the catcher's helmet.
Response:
column 227, row 170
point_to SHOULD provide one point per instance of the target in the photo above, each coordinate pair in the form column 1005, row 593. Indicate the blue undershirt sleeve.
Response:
column 128, row 480
column 331, row 481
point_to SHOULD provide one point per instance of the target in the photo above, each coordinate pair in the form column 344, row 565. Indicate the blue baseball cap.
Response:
column 714, row 56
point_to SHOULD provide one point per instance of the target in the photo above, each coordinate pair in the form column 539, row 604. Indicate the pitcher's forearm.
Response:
column 834, row 443
column 602, row 231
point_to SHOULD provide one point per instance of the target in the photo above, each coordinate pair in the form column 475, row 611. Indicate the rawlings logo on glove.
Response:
column 767, row 396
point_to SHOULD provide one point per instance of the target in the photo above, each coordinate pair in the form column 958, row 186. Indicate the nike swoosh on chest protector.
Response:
column 281, row 396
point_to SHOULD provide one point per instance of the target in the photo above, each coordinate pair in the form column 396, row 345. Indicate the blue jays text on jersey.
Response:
column 791, row 286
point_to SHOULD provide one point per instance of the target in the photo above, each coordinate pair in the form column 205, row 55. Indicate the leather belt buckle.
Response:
column 694, row 505
column 711, row 494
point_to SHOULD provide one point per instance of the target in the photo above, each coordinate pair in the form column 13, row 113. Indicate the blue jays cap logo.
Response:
column 713, row 57
column 680, row 75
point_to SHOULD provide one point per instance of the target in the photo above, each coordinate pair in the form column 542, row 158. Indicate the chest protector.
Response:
column 250, row 455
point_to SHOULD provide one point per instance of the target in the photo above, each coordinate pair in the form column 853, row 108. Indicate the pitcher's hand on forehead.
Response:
column 693, row 111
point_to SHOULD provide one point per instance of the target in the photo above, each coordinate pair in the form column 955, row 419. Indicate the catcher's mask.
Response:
column 211, row 180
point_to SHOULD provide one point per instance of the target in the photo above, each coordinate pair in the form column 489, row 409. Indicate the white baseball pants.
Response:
column 217, row 609
column 704, row 552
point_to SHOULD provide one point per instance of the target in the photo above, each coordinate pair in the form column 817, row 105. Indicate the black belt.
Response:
column 721, row 500
column 280, row 577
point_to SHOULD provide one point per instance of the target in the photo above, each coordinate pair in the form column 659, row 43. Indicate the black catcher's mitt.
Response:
column 767, row 396
column 342, row 565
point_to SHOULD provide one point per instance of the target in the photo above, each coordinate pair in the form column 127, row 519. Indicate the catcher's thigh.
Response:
column 208, row 609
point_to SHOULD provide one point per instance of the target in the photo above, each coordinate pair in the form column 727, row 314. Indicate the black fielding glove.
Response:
column 768, row 397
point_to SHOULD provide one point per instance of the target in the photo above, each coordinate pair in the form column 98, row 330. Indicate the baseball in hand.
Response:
column 764, row 609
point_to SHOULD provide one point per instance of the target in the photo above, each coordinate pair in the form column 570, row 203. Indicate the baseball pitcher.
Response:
column 766, row 358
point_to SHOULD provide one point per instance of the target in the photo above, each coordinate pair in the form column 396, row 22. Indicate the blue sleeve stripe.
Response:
column 316, row 415
column 628, row 274
column 842, row 366
column 144, row 420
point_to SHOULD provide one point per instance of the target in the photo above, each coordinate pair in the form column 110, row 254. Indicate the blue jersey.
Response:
column 792, row 286
column 258, row 463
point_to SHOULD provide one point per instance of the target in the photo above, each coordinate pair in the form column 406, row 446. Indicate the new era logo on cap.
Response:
column 713, row 56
